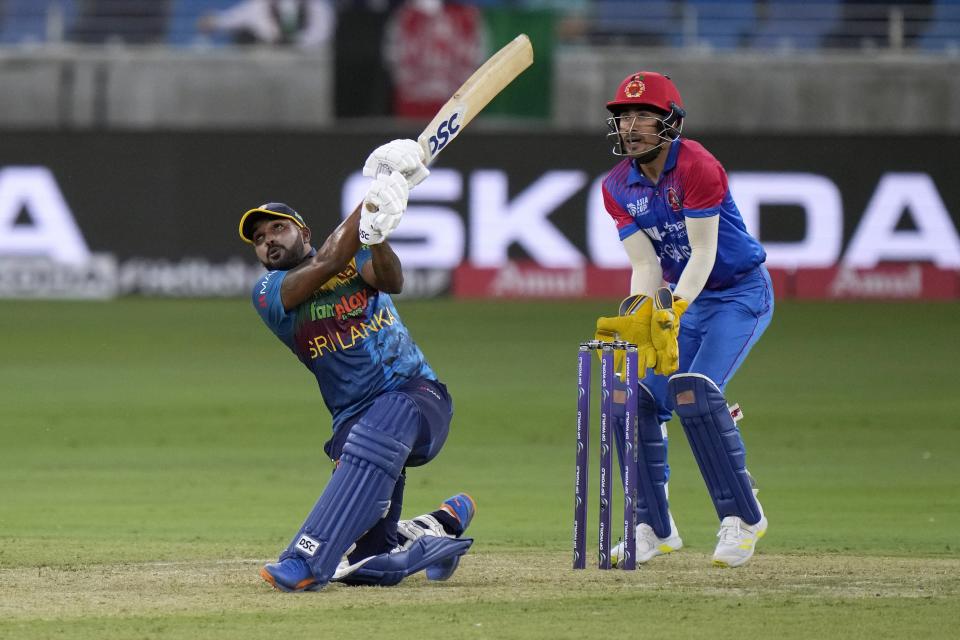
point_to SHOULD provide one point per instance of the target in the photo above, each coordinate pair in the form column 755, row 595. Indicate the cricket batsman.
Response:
column 679, row 224
column 331, row 307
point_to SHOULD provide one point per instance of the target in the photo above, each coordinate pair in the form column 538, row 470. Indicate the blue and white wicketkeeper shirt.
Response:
column 693, row 184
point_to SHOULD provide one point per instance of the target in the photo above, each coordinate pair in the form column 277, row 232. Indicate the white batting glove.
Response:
column 404, row 156
column 382, row 207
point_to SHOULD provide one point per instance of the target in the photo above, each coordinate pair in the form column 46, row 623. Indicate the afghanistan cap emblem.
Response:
column 674, row 199
column 635, row 87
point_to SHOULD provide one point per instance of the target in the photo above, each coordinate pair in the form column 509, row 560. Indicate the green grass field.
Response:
column 154, row 453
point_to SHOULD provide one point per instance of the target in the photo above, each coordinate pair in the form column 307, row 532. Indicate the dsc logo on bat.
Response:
column 446, row 131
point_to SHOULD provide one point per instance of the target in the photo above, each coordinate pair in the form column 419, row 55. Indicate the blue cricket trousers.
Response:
column 717, row 332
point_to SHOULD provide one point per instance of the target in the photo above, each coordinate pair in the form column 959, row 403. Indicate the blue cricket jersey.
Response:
column 349, row 335
column 693, row 184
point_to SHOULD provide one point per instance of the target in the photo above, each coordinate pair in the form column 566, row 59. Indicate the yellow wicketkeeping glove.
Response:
column 664, row 329
column 632, row 325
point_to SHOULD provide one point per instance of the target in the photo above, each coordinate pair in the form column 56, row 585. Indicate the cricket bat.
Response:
column 476, row 93
column 473, row 95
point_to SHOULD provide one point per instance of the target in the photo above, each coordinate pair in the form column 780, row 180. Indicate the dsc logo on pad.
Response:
column 307, row 545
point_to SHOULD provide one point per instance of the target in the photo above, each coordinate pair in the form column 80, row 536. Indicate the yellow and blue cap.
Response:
column 270, row 209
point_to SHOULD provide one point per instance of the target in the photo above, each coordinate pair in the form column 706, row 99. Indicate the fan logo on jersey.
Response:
column 674, row 199
column 635, row 87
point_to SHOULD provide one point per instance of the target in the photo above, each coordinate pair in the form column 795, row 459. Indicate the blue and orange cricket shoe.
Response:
column 463, row 508
column 289, row 575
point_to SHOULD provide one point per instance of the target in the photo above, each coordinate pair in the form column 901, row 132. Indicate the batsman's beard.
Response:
column 284, row 260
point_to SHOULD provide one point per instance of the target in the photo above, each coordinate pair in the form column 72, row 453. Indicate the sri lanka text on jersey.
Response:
column 342, row 340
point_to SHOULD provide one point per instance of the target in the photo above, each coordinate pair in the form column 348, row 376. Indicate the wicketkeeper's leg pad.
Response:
column 716, row 443
column 358, row 494
column 652, row 503
column 387, row 569
column 652, row 506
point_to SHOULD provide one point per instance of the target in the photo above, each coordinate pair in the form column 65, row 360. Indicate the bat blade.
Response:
column 476, row 93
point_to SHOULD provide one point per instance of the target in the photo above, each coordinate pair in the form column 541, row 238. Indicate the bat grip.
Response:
column 382, row 169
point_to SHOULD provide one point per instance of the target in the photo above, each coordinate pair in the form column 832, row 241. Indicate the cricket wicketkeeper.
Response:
column 679, row 224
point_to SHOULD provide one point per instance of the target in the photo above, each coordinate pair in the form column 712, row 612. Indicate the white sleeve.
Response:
column 251, row 15
column 320, row 26
column 647, row 275
column 242, row 14
column 702, row 233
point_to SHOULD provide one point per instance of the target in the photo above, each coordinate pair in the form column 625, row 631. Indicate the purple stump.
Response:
column 630, row 462
column 583, row 458
column 606, row 453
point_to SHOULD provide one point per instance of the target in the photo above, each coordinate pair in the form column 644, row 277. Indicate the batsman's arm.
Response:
column 331, row 258
column 383, row 271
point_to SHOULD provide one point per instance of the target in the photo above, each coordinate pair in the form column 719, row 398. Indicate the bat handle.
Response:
column 382, row 170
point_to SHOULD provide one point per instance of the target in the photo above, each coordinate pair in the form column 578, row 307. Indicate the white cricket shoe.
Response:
column 737, row 541
column 649, row 545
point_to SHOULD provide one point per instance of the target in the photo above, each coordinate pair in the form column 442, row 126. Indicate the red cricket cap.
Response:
column 646, row 88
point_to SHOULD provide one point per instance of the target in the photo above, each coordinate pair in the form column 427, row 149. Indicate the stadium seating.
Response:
column 182, row 30
column 723, row 24
column 929, row 25
column 28, row 21
column 637, row 22
column 944, row 31
column 797, row 24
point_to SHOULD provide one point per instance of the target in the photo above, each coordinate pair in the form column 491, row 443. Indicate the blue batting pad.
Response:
column 358, row 494
column 716, row 444
column 652, row 472
column 387, row 569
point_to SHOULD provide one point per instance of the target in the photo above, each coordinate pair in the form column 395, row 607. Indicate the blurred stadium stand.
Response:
column 184, row 15
column 27, row 22
column 785, row 25
column 944, row 30
column 929, row 25
column 822, row 65
column 127, row 21
column 789, row 24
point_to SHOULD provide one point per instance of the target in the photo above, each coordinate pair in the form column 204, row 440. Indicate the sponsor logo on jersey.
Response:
column 347, row 306
column 653, row 232
column 262, row 296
